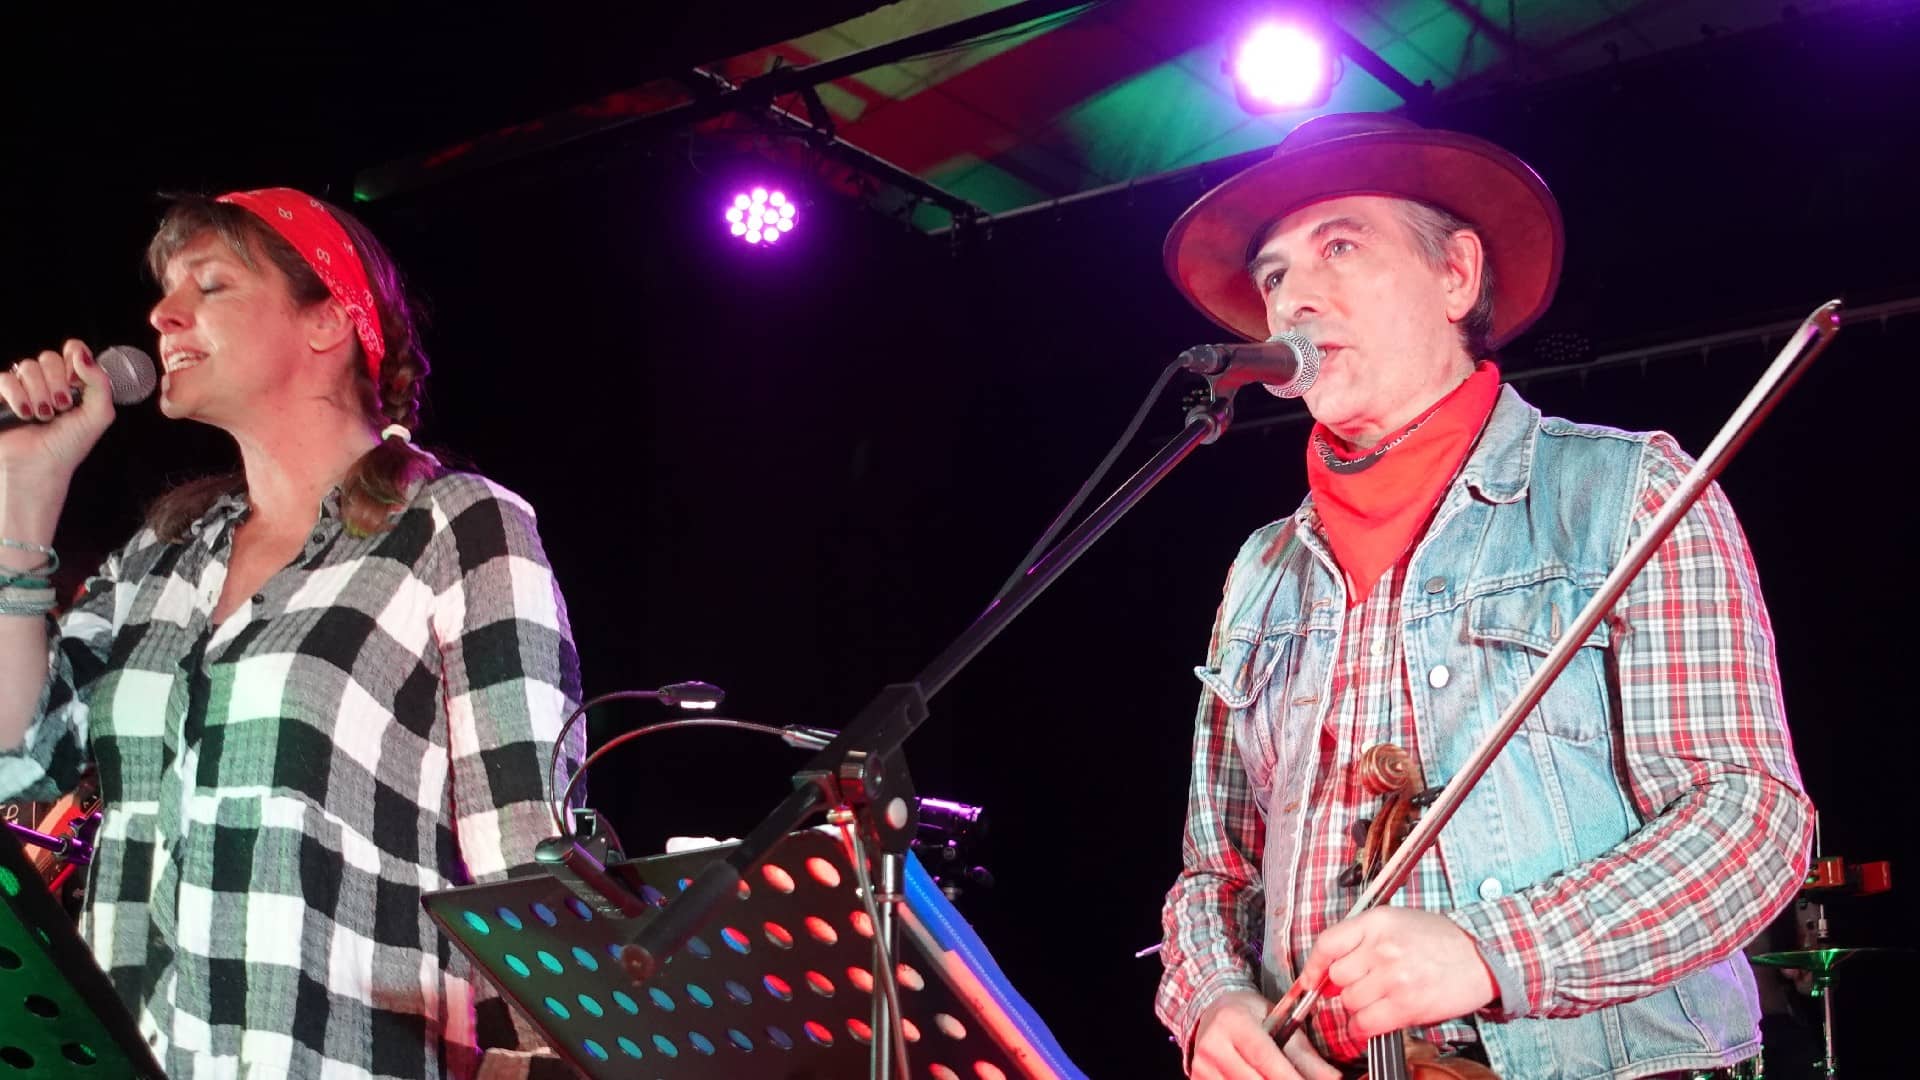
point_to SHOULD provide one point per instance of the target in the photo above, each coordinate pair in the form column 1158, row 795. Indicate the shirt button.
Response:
column 1439, row 676
column 1377, row 648
column 1436, row 584
column 1491, row 889
column 259, row 598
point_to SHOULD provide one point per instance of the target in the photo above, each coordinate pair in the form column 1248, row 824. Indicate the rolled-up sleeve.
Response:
column 1211, row 921
column 79, row 643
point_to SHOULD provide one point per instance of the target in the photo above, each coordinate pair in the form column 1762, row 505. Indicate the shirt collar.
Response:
column 1501, row 467
column 234, row 505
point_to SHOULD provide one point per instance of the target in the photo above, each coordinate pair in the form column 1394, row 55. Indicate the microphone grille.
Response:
column 130, row 372
column 1309, row 369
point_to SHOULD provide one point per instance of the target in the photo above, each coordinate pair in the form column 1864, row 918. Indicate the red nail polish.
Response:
column 45, row 411
column 63, row 401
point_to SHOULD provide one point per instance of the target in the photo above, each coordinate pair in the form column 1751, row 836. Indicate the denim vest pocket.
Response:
column 1516, row 628
column 1245, row 668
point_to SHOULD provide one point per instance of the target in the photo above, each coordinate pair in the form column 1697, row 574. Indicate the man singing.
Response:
column 1582, row 915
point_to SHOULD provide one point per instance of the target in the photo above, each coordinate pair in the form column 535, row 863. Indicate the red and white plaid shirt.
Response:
column 1371, row 705
column 1705, row 761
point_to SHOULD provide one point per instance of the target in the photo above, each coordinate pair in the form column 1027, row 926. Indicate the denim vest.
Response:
column 1523, row 537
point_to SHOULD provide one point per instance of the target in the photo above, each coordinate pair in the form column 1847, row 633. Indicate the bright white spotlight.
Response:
column 760, row 215
column 1281, row 65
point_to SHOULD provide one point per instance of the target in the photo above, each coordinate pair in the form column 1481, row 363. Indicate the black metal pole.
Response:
column 558, row 129
column 59, row 845
column 880, row 729
column 1204, row 425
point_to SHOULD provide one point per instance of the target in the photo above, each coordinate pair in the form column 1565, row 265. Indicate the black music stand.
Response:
column 59, row 1017
column 780, row 985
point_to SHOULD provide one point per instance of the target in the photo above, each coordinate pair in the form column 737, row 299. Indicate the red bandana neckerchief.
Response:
column 1374, row 513
column 322, row 241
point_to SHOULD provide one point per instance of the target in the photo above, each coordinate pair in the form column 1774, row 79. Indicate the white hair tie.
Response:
column 388, row 432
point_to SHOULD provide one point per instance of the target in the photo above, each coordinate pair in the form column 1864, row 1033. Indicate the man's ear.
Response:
column 1466, row 267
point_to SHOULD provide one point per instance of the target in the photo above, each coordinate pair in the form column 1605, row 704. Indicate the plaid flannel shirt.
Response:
column 1371, row 705
column 1705, row 761
column 281, row 789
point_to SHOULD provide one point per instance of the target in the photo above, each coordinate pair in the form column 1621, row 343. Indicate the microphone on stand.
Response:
column 129, row 371
column 1287, row 363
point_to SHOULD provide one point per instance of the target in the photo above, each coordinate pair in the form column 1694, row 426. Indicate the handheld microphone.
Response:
column 1287, row 363
column 129, row 372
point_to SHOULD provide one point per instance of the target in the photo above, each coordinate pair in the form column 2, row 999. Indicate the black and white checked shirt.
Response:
column 280, row 789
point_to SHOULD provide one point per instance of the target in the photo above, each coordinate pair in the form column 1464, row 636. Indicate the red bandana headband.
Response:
column 321, row 240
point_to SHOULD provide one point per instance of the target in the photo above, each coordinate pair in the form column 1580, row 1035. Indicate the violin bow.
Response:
column 1808, row 341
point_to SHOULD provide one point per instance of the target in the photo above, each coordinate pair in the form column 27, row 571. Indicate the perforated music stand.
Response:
column 779, row 984
column 59, row 1017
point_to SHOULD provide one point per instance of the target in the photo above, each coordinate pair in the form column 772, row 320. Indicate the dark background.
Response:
column 798, row 473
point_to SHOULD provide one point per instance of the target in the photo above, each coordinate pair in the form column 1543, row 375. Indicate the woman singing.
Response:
column 314, row 689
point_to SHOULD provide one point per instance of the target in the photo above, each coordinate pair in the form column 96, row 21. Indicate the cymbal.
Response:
column 1817, row 961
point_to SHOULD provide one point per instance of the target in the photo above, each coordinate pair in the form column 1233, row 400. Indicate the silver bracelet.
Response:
column 45, row 570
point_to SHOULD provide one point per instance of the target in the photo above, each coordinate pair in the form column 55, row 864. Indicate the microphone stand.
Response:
column 75, row 848
column 861, row 775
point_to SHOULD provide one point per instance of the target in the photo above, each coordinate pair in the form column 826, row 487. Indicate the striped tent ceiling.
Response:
column 1112, row 92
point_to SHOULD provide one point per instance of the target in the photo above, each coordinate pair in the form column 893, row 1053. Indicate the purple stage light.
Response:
column 760, row 215
column 1280, row 65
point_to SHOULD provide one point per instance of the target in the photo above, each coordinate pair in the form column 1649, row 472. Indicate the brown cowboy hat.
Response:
column 1208, row 249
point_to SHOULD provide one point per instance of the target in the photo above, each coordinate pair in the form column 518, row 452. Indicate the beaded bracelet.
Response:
column 28, row 580
column 17, row 601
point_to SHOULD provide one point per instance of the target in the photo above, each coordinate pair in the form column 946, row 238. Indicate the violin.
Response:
column 1398, row 1056
column 1391, row 771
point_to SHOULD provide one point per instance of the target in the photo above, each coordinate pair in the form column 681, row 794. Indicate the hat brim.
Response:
column 1509, row 205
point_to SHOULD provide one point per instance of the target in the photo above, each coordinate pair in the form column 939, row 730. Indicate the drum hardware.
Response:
column 1828, row 876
